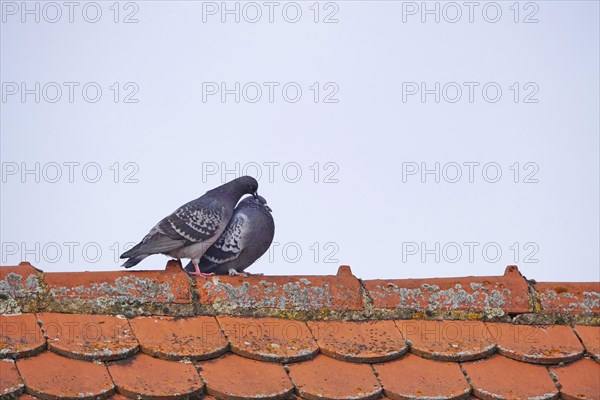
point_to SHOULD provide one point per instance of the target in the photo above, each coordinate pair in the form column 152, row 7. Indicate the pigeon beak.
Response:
column 255, row 194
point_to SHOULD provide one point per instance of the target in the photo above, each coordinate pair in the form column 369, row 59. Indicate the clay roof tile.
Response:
column 162, row 335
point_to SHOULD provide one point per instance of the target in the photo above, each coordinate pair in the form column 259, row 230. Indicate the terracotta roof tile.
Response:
column 327, row 378
column 168, row 286
column 88, row 337
column 579, row 380
column 26, row 396
column 362, row 329
column 303, row 293
column 503, row 378
column 118, row 396
column 581, row 297
column 590, row 336
column 197, row 338
column 49, row 375
column 413, row 377
column 20, row 336
column 269, row 339
column 448, row 340
column 508, row 292
column 537, row 344
column 234, row 377
column 10, row 380
column 19, row 281
column 152, row 378
column 368, row 341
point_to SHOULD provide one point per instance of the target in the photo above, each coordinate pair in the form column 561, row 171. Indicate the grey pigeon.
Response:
column 246, row 238
column 193, row 227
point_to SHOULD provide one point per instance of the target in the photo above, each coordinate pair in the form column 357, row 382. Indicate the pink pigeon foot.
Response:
column 197, row 271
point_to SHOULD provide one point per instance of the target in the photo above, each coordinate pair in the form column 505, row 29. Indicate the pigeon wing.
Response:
column 192, row 224
column 189, row 224
column 229, row 246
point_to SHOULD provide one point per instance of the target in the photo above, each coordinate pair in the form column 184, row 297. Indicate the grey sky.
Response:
column 360, row 148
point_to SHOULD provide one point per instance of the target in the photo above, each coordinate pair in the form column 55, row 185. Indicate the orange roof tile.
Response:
column 327, row 378
column 579, row 380
column 269, row 339
column 508, row 293
column 25, row 396
column 171, row 338
column 234, row 377
column 10, row 380
column 367, row 341
column 150, row 377
column 20, row 336
column 168, row 286
column 590, row 337
column 161, row 335
column 503, row 378
column 537, row 344
column 334, row 292
column 88, row 337
column 448, row 340
column 569, row 296
column 415, row 377
column 50, row 375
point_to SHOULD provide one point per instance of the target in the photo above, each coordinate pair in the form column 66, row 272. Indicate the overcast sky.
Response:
column 402, row 140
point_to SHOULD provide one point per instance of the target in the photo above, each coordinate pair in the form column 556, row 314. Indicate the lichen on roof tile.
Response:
column 239, row 332
column 149, row 377
column 590, row 337
column 508, row 293
column 171, row 338
column 11, row 384
column 537, row 344
column 145, row 286
column 499, row 377
column 448, row 340
column 366, row 341
column 49, row 375
column 582, row 297
column 89, row 337
column 280, row 292
column 327, row 378
column 19, row 287
column 579, row 380
column 234, row 377
column 269, row 339
column 413, row 377
column 20, row 336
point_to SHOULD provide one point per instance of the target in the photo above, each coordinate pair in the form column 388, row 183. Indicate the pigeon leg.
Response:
column 197, row 271
column 233, row 272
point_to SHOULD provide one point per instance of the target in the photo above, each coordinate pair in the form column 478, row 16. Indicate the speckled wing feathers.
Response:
column 229, row 246
column 191, row 223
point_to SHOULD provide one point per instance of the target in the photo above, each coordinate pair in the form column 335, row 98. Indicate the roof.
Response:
column 164, row 335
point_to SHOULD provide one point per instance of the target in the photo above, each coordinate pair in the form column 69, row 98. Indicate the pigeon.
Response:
column 246, row 238
column 191, row 229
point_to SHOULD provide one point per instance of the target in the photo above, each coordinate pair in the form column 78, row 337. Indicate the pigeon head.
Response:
column 262, row 201
column 246, row 185
column 255, row 202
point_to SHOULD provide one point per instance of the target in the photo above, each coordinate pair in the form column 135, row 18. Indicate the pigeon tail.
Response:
column 131, row 252
column 134, row 261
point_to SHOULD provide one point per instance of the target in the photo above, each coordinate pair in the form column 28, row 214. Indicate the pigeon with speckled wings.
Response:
column 191, row 229
column 247, row 237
